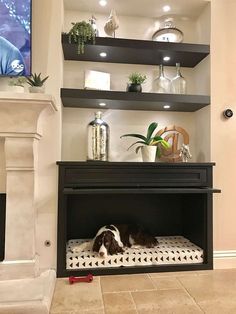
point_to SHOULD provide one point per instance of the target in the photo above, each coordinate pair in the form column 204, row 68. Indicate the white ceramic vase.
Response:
column 148, row 153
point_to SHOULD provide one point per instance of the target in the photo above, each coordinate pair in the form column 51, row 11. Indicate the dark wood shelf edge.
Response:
column 81, row 98
column 137, row 51
column 134, row 164
column 129, row 190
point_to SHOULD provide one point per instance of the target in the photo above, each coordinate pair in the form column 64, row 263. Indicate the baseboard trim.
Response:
column 224, row 259
column 18, row 269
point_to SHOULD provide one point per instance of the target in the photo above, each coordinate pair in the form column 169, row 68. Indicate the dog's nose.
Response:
column 101, row 254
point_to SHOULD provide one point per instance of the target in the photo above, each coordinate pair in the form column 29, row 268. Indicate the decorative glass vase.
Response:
column 98, row 139
column 178, row 83
column 162, row 84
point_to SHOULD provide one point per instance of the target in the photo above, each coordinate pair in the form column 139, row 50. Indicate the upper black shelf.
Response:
column 81, row 98
column 137, row 51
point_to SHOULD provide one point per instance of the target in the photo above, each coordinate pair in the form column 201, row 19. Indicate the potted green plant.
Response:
column 136, row 79
column 81, row 33
column 17, row 84
column 149, row 144
column 36, row 83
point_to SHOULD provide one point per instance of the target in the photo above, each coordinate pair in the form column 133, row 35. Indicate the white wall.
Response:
column 202, row 86
column 223, row 139
column 132, row 27
column 120, row 121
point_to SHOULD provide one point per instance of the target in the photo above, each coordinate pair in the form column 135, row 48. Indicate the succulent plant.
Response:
column 35, row 80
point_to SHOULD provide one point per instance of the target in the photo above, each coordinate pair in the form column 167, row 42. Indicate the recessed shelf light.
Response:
column 103, row 54
column 166, row 8
column 102, row 104
column 166, row 58
column 166, row 107
column 103, row 3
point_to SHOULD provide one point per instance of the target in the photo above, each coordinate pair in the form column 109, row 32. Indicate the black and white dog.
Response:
column 112, row 239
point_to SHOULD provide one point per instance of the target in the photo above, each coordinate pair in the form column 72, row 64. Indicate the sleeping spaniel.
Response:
column 112, row 239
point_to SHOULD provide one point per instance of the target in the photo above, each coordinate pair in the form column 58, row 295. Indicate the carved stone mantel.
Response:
column 19, row 126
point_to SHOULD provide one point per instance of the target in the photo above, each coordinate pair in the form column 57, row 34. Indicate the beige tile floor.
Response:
column 181, row 293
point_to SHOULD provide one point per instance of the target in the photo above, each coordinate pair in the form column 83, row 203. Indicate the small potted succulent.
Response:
column 81, row 33
column 136, row 79
column 149, row 144
column 36, row 83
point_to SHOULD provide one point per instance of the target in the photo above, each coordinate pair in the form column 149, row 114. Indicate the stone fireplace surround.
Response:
column 22, row 287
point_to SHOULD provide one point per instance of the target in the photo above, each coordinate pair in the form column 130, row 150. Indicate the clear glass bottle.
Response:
column 178, row 83
column 98, row 139
column 161, row 84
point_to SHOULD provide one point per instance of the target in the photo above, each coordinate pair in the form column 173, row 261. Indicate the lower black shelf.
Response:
column 80, row 98
column 69, row 191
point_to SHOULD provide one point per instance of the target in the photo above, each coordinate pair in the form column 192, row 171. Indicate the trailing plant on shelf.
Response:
column 150, row 140
column 17, row 81
column 36, row 83
column 81, row 33
column 136, row 80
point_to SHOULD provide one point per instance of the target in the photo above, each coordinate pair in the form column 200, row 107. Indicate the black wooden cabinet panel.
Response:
column 2, row 225
column 137, row 175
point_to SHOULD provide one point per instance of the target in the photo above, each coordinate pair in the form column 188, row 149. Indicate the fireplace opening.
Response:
column 177, row 220
column 2, row 225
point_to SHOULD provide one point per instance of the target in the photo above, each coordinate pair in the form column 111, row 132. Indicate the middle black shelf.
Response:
column 82, row 98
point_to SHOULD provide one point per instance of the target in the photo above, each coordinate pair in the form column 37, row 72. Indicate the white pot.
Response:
column 148, row 153
column 37, row 89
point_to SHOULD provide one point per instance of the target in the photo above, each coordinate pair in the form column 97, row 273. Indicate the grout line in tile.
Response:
column 120, row 291
column 152, row 282
column 136, row 310
column 101, row 294
column 193, row 299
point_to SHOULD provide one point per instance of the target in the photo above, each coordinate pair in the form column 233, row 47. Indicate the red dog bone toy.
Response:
column 88, row 278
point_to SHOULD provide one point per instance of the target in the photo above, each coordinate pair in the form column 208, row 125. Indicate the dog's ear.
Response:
column 114, row 247
column 96, row 243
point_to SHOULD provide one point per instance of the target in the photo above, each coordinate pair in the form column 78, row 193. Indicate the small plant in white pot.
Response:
column 149, row 144
column 36, row 83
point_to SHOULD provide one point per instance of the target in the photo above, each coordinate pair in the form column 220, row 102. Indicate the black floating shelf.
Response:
column 137, row 51
column 69, row 191
column 81, row 98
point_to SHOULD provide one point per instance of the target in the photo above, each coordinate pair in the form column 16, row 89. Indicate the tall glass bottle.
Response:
column 162, row 84
column 98, row 139
column 178, row 83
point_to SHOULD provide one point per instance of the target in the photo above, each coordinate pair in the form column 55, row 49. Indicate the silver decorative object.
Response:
column 185, row 153
column 98, row 139
column 168, row 32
